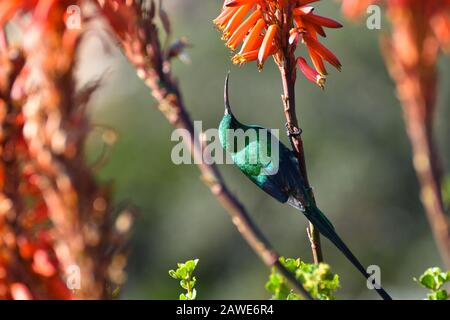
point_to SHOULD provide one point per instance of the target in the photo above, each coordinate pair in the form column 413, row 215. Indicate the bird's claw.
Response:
column 293, row 131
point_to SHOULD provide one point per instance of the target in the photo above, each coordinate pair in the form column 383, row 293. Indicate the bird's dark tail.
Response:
column 325, row 227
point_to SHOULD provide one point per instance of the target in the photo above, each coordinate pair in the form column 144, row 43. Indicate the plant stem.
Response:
column 287, row 70
column 189, row 289
column 417, row 91
column 426, row 164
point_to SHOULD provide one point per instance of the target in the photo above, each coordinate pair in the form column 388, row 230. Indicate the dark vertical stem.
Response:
column 287, row 70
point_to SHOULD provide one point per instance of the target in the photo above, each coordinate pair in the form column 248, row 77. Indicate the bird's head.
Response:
column 228, row 121
column 226, row 99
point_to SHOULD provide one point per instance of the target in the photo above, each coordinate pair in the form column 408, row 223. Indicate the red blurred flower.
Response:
column 261, row 29
column 354, row 8
column 10, row 8
column 19, row 291
column 426, row 17
column 49, row 217
column 42, row 264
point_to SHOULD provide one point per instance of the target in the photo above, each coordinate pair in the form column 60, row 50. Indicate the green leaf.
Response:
column 115, row 294
column 193, row 294
column 434, row 279
column 187, row 280
column 320, row 282
column 427, row 281
column 290, row 264
column 438, row 295
column 277, row 286
column 190, row 265
column 173, row 274
column 182, row 273
column 184, row 284
column 441, row 295
column 293, row 296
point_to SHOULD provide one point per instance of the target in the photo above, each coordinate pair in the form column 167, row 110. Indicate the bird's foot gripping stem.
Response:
column 293, row 131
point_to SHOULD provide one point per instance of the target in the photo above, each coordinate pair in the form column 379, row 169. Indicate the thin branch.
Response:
column 297, row 146
column 287, row 69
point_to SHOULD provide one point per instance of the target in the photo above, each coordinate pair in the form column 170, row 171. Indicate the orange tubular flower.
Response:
column 267, row 44
column 241, row 32
column 311, row 74
column 259, row 26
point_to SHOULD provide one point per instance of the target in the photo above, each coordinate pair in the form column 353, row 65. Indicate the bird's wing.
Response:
column 247, row 159
column 288, row 177
column 259, row 172
column 278, row 175
column 282, row 178
column 270, row 184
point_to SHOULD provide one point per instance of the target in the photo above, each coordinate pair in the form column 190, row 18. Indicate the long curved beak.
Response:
column 225, row 96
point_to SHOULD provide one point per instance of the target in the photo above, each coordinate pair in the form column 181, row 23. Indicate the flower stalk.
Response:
column 287, row 69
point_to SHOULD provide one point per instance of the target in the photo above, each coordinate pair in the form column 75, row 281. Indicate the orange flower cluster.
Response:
column 263, row 26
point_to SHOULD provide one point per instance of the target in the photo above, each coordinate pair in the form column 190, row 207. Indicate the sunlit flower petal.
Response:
column 293, row 36
column 322, row 21
column 262, row 25
column 242, row 58
column 19, row 291
column 254, row 37
column 303, row 10
column 240, row 33
column 317, row 62
column 235, row 3
column 267, row 43
column 311, row 74
column 322, row 51
column 222, row 20
column 235, row 21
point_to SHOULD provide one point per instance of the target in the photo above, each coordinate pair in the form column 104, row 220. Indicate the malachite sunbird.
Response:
column 279, row 176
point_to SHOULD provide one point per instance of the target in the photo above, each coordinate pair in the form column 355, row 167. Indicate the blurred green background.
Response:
column 357, row 152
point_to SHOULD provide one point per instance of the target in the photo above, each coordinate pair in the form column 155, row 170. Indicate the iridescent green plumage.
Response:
column 277, row 172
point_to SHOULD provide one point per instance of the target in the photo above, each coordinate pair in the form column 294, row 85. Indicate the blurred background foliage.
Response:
column 357, row 152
